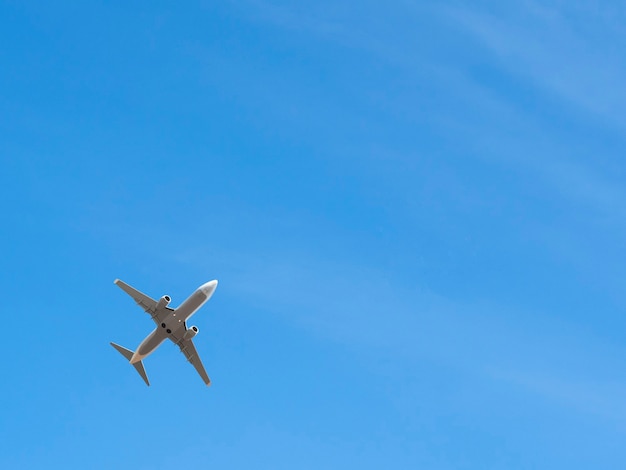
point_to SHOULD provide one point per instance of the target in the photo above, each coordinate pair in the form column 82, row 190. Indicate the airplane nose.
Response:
column 209, row 287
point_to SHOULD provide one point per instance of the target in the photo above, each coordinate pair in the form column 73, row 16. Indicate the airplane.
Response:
column 171, row 324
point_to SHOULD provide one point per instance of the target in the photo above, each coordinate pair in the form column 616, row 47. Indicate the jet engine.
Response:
column 191, row 332
column 163, row 302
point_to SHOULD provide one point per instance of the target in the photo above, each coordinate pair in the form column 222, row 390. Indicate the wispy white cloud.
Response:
column 554, row 47
column 376, row 316
column 361, row 27
column 549, row 44
column 290, row 17
column 572, row 52
column 600, row 397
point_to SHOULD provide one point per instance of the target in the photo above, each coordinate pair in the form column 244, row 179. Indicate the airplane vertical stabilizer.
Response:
column 128, row 354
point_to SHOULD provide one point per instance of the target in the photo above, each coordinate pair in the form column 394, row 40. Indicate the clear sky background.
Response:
column 416, row 212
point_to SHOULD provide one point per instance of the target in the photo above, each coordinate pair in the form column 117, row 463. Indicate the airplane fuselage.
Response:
column 174, row 321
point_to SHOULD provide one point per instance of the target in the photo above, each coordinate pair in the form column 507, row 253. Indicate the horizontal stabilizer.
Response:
column 127, row 353
column 142, row 371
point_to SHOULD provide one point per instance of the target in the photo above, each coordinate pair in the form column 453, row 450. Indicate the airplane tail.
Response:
column 127, row 353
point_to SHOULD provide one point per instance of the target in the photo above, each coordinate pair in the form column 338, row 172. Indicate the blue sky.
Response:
column 415, row 211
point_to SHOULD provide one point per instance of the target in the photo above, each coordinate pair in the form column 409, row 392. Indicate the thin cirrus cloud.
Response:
column 557, row 50
column 571, row 54
column 375, row 316
column 545, row 46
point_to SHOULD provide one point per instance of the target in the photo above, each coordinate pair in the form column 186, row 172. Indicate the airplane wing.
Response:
column 189, row 350
column 145, row 302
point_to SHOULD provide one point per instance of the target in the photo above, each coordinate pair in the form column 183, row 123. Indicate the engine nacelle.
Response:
column 191, row 332
column 163, row 302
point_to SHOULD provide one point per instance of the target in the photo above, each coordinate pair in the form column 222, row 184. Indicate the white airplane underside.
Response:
column 171, row 324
